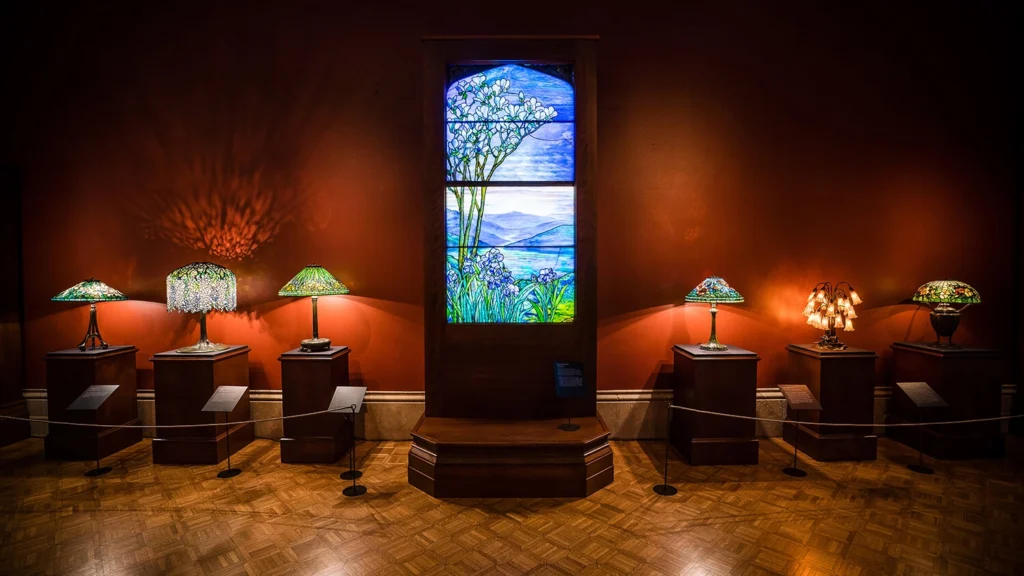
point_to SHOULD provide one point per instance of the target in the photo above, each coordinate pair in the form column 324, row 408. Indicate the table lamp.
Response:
column 91, row 291
column 199, row 288
column 714, row 290
column 314, row 281
column 830, row 307
column 944, row 293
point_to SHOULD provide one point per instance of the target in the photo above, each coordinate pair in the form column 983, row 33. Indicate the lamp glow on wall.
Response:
column 91, row 291
column 713, row 290
column 830, row 307
column 199, row 288
column 944, row 293
column 314, row 281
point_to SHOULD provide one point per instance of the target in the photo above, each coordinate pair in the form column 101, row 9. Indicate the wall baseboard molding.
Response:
column 391, row 415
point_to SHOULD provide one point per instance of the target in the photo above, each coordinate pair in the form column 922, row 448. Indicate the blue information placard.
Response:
column 569, row 380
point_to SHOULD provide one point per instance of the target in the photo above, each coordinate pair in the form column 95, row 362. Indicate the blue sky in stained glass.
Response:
column 546, row 153
column 552, row 91
column 521, row 216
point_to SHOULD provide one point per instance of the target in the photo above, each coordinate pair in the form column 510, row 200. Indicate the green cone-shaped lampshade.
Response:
column 313, row 280
column 713, row 289
column 91, row 290
column 948, row 292
column 201, row 287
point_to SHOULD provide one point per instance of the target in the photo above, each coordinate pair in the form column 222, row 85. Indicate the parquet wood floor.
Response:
column 845, row 518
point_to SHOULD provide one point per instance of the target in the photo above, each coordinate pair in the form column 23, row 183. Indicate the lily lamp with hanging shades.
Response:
column 91, row 291
column 199, row 288
column 714, row 290
column 830, row 307
column 314, row 281
column 944, row 294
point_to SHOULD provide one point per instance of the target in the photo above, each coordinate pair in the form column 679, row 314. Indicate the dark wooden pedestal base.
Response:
column 718, row 381
column 968, row 380
column 832, row 447
column 68, row 374
column 202, row 450
column 12, row 431
column 465, row 458
column 75, row 443
column 183, row 384
column 843, row 382
column 308, row 381
column 947, row 442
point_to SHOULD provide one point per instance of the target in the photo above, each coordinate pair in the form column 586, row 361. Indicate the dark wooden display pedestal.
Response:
column 68, row 374
column 12, row 431
column 968, row 380
column 308, row 381
column 843, row 381
column 720, row 381
column 183, row 383
column 469, row 458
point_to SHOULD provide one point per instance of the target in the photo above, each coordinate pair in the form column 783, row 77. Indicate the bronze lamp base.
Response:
column 316, row 344
column 945, row 320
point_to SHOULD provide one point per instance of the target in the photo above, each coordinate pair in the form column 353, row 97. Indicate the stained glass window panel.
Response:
column 508, row 124
column 511, row 254
column 511, row 285
column 513, row 216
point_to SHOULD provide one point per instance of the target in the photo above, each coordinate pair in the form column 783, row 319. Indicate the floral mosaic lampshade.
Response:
column 314, row 281
column 199, row 288
column 944, row 317
column 713, row 290
column 91, row 291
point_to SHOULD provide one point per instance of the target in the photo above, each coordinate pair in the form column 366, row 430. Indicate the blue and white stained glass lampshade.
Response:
column 199, row 288
column 314, row 281
column 91, row 291
column 944, row 317
column 713, row 290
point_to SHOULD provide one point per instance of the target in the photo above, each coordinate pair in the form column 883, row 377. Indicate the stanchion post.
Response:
column 352, row 474
column 920, row 468
column 230, row 472
column 795, row 471
column 666, row 489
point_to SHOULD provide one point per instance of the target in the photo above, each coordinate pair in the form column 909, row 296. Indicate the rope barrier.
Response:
column 862, row 425
column 253, row 421
column 671, row 406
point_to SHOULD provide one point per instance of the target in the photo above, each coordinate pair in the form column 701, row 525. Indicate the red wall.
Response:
column 775, row 146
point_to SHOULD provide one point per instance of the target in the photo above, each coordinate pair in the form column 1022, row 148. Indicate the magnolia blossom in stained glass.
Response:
column 91, row 290
column 313, row 280
column 511, row 254
column 714, row 289
column 201, row 287
column 947, row 291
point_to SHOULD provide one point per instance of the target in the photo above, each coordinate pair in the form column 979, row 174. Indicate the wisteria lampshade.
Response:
column 713, row 290
column 944, row 294
column 199, row 288
column 314, row 281
column 91, row 291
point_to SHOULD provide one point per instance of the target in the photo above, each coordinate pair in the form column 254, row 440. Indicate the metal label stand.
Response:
column 224, row 400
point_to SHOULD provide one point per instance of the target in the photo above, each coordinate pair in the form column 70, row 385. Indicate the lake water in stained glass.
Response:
column 511, row 237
